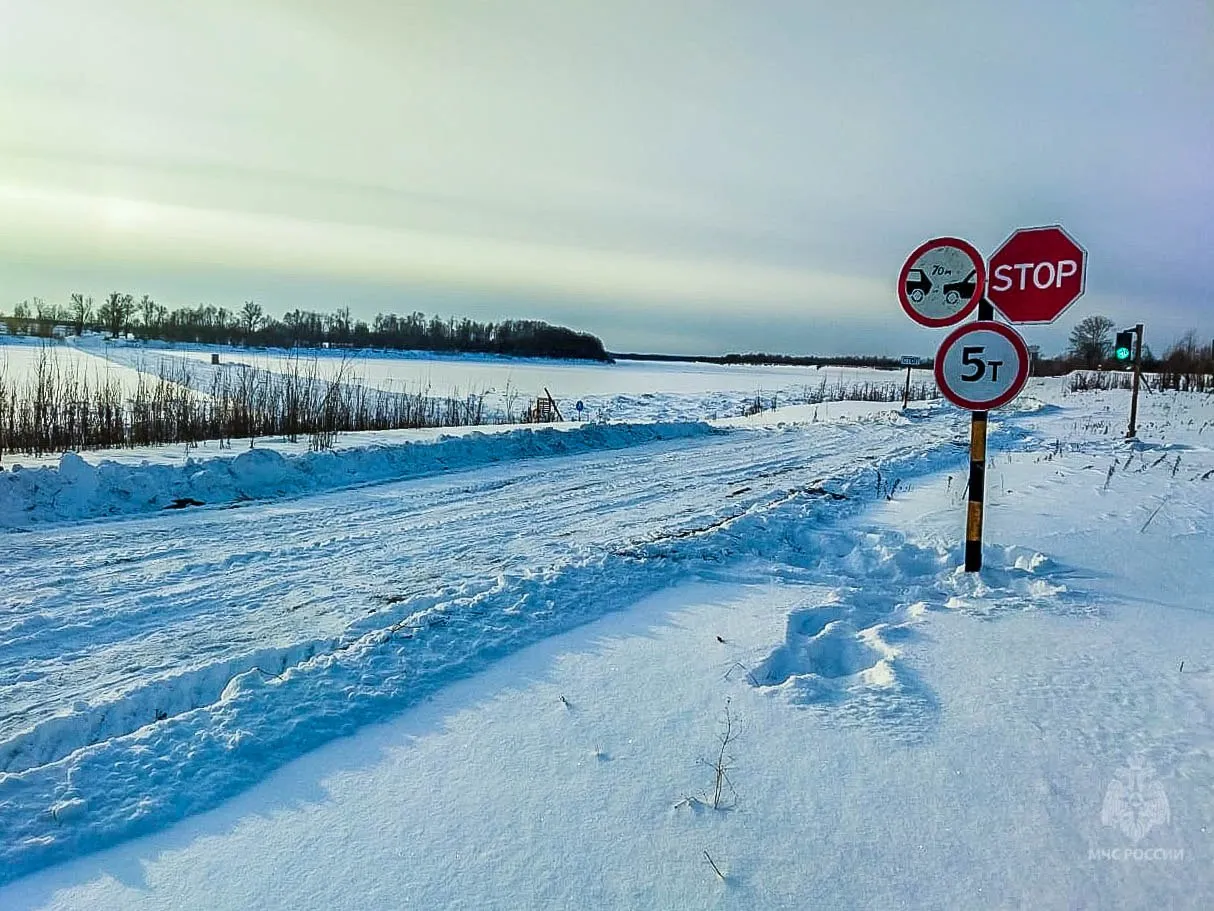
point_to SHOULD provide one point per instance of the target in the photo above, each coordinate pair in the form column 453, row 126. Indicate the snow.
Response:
column 78, row 488
column 495, row 688
column 364, row 599
column 19, row 357
column 113, row 482
column 471, row 372
column 622, row 391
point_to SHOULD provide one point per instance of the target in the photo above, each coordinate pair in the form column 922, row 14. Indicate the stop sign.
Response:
column 1036, row 274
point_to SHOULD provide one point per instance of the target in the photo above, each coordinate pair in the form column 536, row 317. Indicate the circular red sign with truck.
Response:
column 982, row 365
column 941, row 282
column 1037, row 274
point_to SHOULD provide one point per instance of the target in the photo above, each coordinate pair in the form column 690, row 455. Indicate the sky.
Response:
column 684, row 177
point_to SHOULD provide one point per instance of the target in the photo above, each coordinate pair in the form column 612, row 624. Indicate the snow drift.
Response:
column 76, row 489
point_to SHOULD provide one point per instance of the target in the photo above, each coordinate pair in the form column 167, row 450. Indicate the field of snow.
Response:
column 625, row 390
column 492, row 671
column 19, row 358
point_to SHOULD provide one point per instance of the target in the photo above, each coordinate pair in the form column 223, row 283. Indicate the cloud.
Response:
column 115, row 229
column 772, row 160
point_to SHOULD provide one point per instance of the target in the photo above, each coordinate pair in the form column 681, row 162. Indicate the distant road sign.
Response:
column 941, row 282
column 579, row 406
column 982, row 365
column 909, row 360
column 1037, row 274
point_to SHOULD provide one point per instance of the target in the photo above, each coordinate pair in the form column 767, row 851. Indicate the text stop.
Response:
column 1043, row 275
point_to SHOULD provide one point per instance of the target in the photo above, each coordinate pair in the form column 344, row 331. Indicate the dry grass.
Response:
column 58, row 406
column 841, row 391
column 1094, row 380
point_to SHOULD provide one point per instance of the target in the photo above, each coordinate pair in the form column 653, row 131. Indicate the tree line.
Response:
column 1185, row 364
column 120, row 313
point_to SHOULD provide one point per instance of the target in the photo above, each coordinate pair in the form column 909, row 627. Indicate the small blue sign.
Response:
column 579, row 406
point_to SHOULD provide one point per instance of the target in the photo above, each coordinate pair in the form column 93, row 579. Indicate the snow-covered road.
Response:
column 103, row 609
column 532, row 660
column 177, row 644
column 547, row 625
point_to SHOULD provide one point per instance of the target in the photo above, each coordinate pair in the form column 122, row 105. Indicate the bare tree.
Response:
column 1188, row 365
column 1091, row 340
column 81, row 311
column 339, row 325
column 148, row 311
column 250, row 318
column 116, row 312
column 1186, row 347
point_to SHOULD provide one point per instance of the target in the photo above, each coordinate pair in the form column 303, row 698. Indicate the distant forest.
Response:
column 205, row 324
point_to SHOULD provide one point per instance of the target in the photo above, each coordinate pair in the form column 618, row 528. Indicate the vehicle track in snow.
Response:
column 212, row 646
column 96, row 610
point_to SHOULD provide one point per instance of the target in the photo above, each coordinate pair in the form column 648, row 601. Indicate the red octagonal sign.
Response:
column 1036, row 274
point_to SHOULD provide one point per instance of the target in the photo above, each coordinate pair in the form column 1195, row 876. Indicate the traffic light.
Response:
column 1123, row 348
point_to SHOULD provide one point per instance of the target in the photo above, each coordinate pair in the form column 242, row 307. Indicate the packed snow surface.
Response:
column 510, row 679
column 102, row 485
column 21, row 357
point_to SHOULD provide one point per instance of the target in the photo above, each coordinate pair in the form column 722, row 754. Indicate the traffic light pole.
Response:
column 1133, row 430
column 977, row 485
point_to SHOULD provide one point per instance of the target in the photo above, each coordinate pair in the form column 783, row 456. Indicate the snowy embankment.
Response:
column 171, row 728
column 79, row 489
column 626, row 391
column 909, row 735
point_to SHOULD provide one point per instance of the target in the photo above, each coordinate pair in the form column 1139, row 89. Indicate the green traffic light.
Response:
column 1123, row 354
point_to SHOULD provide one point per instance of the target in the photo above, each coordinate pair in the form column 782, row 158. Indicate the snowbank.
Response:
column 67, row 792
column 856, row 664
column 77, row 489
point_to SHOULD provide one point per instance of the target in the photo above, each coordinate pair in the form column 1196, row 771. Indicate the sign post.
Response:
column 980, row 366
column 976, row 508
column 1133, row 429
column 1033, row 277
column 908, row 361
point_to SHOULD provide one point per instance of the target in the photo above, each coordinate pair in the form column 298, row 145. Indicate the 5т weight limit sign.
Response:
column 982, row 365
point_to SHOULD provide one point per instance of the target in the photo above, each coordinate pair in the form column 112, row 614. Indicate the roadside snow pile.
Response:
column 213, row 737
column 77, row 490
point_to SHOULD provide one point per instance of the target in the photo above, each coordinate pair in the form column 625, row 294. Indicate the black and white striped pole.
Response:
column 977, row 482
column 1035, row 275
